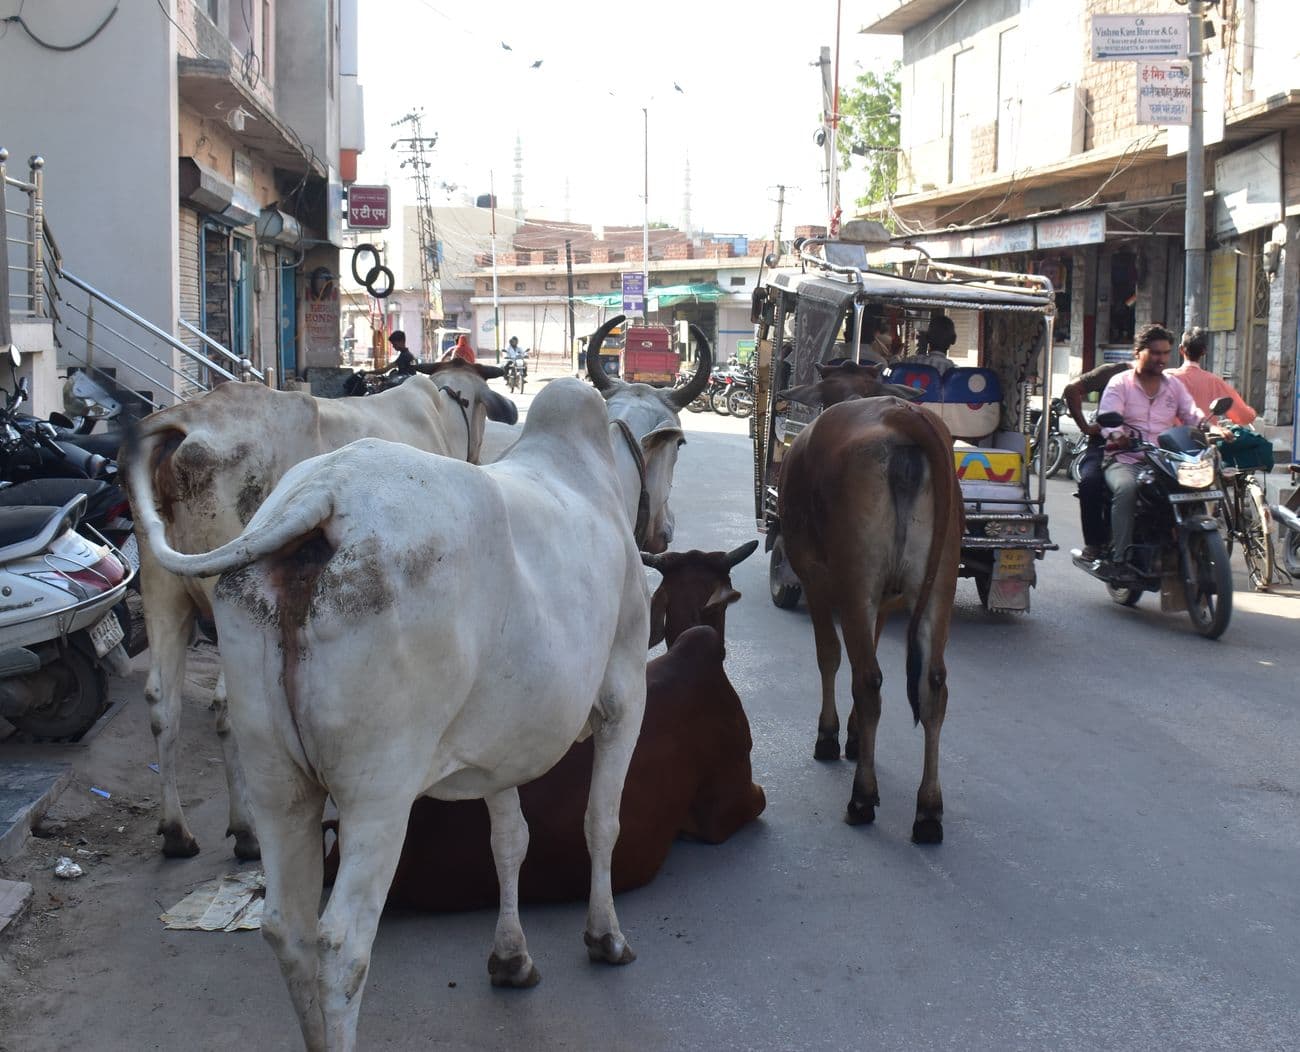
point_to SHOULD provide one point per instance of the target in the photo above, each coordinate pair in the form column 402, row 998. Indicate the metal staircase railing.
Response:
column 103, row 326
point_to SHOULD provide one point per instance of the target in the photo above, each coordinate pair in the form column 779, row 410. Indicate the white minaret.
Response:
column 686, row 200
column 519, row 180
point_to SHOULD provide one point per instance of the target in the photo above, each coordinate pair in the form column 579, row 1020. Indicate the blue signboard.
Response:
column 634, row 294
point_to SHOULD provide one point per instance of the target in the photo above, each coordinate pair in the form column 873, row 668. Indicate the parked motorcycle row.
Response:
column 71, row 613
column 730, row 391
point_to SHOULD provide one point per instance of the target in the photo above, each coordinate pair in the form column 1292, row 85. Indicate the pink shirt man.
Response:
column 1205, row 386
column 1171, row 405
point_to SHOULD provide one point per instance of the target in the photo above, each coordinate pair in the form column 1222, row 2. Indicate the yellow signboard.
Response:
column 1223, row 291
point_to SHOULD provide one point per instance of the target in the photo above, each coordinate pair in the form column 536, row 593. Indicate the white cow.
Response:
column 377, row 652
column 208, row 464
column 652, row 413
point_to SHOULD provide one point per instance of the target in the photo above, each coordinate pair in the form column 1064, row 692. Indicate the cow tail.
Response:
column 277, row 524
column 938, row 454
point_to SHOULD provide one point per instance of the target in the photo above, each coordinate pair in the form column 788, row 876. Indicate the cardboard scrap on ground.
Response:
column 230, row 903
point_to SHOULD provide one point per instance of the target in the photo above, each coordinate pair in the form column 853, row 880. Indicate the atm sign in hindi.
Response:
column 368, row 207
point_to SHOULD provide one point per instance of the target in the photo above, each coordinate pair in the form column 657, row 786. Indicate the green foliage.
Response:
column 868, row 131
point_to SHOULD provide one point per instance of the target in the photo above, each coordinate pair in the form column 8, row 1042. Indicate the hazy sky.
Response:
column 745, row 116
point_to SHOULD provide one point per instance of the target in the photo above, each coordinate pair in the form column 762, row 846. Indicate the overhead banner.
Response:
column 1135, row 37
column 1164, row 92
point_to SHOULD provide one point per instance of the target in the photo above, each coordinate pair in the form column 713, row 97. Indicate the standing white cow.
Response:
column 207, row 465
column 377, row 652
column 652, row 414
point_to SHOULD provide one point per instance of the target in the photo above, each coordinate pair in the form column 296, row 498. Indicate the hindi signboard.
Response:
column 1249, row 188
column 634, row 293
column 368, row 207
column 1223, row 291
column 1164, row 92
column 1133, row 37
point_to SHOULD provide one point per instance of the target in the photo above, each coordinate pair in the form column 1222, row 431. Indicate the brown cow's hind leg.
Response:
column 828, row 664
column 932, row 704
column 859, row 639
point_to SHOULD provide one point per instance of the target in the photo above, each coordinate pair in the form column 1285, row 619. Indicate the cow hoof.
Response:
column 827, row 748
column 178, row 843
column 517, row 972
column 247, row 849
column 605, row 950
column 850, row 748
column 860, row 814
column 927, row 831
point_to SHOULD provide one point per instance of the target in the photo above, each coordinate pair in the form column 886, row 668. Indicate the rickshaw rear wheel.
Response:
column 784, row 596
column 983, row 583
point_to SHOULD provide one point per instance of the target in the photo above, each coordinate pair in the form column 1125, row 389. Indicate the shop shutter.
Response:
column 191, row 295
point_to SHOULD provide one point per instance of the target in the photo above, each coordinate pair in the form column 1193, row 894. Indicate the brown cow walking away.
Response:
column 871, row 521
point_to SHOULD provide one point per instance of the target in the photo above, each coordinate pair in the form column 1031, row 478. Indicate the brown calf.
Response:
column 871, row 521
column 696, row 590
column 689, row 776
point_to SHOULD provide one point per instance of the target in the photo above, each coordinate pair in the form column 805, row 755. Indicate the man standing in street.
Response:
column 1150, row 402
column 1093, row 494
column 1203, row 385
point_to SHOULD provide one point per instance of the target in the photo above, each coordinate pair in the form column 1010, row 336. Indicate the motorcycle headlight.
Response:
column 1196, row 475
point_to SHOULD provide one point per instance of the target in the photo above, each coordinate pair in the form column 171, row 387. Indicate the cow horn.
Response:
column 739, row 555
column 595, row 373
column 681, row 397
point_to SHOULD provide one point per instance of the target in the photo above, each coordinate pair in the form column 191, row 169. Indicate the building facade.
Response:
column 1018, row 150
column 196, row 153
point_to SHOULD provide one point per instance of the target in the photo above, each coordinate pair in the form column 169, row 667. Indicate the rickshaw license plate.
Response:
column 1013, row 563
column 106, row 634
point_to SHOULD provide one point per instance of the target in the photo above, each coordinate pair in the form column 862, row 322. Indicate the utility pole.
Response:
column 645, row 221
column 570, row 329
column 430, row 277
column 827, row 136
column 780, row 211
column 1194, row 222
column 496, row 300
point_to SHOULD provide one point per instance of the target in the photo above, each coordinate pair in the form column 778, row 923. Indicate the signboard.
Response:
column 1164, row 92
column 1138, row 37
column 634, row 293
column 1002, row 241
column 1223, row 291
column 1065, row 231
column 368, row 207
column 1214, row 73
column 1249, row 188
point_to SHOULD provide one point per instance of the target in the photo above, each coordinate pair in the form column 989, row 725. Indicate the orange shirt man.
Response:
column 1203, row 385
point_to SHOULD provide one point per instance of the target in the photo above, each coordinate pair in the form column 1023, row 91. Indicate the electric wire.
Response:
column 17, row 19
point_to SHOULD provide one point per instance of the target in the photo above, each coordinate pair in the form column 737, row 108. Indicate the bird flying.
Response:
column 506, row 47
column 536, row 64
column 678, row 87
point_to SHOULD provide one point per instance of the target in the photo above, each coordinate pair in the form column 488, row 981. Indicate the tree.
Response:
column 869, row 116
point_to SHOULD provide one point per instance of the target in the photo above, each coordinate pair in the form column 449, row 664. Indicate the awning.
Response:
column 667, row 295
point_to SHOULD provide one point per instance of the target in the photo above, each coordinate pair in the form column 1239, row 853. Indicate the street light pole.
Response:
column 645, row 220
column 496, row 301
column 1194, row 223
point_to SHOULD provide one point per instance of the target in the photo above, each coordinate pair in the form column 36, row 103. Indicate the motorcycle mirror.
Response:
column 1111, row 419
column 15, row 358
column 1220, row 406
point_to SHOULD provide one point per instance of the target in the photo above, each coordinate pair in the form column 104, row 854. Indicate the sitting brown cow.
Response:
column 689, row 776
column 871, row 521
column 696, row 590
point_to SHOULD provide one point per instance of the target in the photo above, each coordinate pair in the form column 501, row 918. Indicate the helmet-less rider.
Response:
column 1150, row 403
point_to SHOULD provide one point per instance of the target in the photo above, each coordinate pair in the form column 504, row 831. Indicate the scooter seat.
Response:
column 104, row 443
column 26, row 531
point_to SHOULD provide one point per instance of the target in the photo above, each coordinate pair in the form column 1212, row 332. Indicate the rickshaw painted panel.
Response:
column 988, row 465
column 971, row 385
column 924, row 378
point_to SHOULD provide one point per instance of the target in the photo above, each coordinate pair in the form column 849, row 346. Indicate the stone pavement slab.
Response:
column 27, row 788
column 14, row 897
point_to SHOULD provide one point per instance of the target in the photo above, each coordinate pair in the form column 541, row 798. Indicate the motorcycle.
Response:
column 59, row 637
column 1288, row 528
column 1177, row 548
column 740, row 399
column 516, row 373
column 1057, row 443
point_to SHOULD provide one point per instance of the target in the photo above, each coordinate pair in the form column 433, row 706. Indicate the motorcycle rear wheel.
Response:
column 740, row 403
column 80, row 694
column 1208, row 584
column 718, row 402
column 1123, row 595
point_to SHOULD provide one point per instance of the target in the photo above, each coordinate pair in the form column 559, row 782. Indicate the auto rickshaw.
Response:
column 860, row 298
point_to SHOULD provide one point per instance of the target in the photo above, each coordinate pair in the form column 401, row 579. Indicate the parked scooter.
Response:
column 1177, row 548
column 59, row 637
column 1287, row 517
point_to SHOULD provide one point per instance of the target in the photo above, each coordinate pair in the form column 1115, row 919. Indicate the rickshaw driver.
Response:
column 1150, row 403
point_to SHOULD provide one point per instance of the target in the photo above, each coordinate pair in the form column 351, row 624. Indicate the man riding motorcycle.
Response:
column 516, row 358
column 1150, row 403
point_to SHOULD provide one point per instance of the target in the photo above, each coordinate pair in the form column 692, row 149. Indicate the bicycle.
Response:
column 1245, row 518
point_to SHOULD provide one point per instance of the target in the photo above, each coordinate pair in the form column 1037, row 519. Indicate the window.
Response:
column 964, row 94
column 615, row 283
column 1010, row 65
column 737, row 280
column 583, row 283
column 520, row 286
column 550, row 285
column 487, row 284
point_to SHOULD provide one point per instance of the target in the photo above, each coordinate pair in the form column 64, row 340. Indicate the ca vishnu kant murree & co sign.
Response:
column 1139, row 36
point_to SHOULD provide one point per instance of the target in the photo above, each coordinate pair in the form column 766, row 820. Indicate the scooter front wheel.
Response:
column 80, row 692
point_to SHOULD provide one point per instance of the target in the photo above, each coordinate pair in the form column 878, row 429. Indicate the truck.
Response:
column 650, row 355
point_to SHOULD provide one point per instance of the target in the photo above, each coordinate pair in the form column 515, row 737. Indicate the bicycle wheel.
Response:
column 1256, row 536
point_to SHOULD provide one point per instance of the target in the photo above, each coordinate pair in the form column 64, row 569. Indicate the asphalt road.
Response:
column 1119, row 871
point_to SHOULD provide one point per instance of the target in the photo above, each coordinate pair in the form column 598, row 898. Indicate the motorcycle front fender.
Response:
column 1198, row 524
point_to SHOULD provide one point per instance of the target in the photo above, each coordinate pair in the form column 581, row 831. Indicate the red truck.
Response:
column 649, row 355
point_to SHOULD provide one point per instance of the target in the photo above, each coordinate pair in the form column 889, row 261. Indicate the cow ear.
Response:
column 723, row 596
column 661, row 436
column 658, row 615
column 808, row 394
column 902, row 391
column 489, row 372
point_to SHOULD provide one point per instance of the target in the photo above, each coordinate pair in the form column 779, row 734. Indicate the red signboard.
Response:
column 368, row 207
